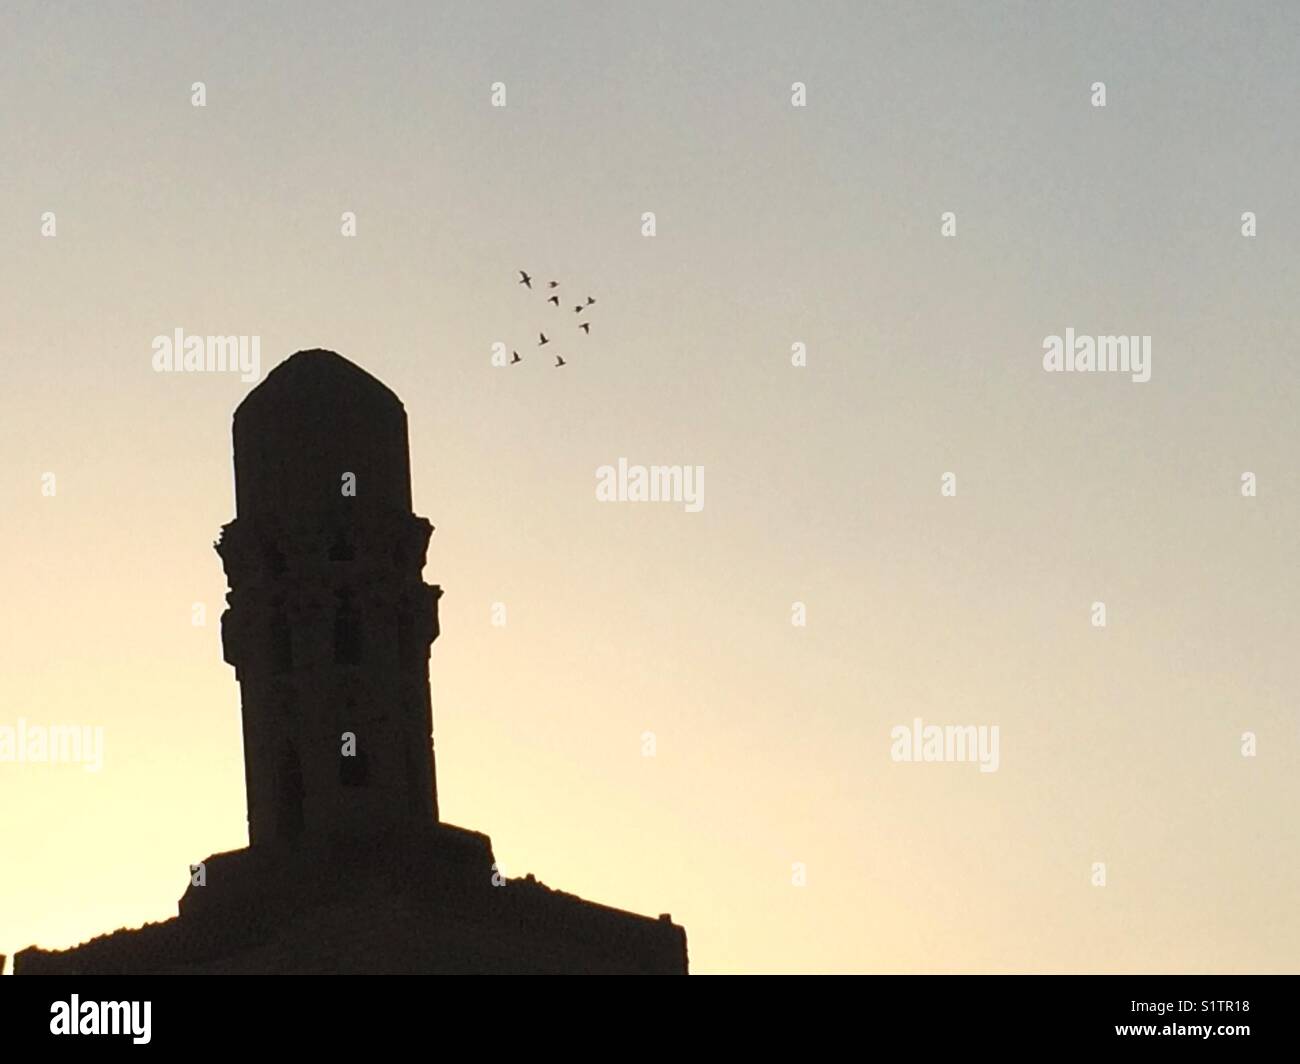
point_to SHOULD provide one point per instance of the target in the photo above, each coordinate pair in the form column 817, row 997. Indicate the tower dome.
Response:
column 316, row 418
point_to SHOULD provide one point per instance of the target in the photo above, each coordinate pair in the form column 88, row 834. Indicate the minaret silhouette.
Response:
column 329, row 626
column 330, row 623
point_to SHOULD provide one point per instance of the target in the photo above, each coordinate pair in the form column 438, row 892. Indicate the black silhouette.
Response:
column 586, row 327
column 559, row 362
column 329, row 628
column 543, row 341
column 590, row 301
column 578, row 310
column 555, row 300
column 524, row 279
column 516, row 358
column 552, row 284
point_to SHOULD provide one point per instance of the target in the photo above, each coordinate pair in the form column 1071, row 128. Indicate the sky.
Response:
column 773, row 820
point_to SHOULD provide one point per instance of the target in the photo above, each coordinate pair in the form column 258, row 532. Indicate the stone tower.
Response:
column 330, row 623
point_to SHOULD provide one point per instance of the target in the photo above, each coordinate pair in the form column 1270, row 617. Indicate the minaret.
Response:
column 330, row 622
column 329, row 626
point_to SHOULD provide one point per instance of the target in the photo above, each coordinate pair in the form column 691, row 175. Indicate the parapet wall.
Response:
column 379, row 922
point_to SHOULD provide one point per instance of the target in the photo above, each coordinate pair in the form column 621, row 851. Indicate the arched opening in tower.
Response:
column 289, row 799
column 281, row 643
column 354, row 770
column 407, row 647
column 342, row 548
column 347, row 631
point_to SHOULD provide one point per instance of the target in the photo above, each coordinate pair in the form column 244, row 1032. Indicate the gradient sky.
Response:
column 775, row 225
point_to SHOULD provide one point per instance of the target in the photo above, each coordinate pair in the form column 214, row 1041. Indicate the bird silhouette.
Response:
column 543, row 339
column 578, row 310
column 552, row 284
column 586, row 327
column 516, row 358
column 559, row 362
column 590, row 301
column 555, row 300
column 524, row 279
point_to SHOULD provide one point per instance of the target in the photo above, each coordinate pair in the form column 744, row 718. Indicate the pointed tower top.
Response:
column 315, row 374
column 315, row 418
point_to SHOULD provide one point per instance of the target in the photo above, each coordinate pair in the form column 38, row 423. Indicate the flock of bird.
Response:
column 554, row 300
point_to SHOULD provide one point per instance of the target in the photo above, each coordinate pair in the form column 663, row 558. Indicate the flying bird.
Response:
column 586, row 327
column 559, row 362
column 543, row 339
column 590, row 301
column 524, row 279
column 578, row 310
column 516, row 358
column 552, row 284
column 555, row 300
